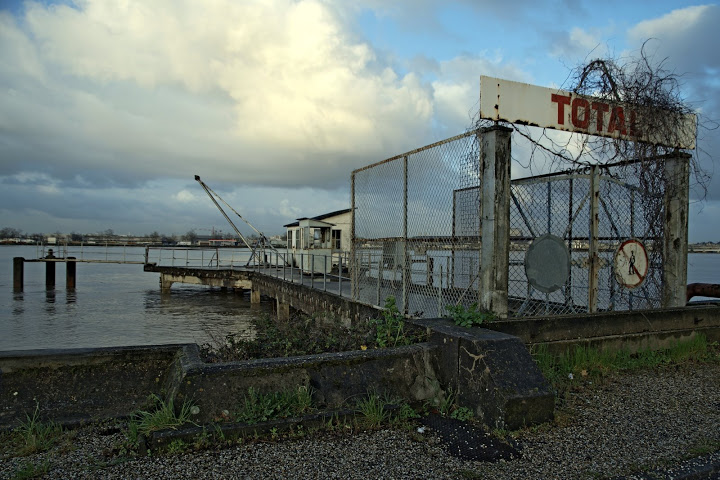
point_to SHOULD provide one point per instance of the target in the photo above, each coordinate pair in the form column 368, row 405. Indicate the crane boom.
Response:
column 263, row 239
column 212, row 196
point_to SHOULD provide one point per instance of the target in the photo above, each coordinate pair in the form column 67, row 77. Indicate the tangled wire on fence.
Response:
column 660, row 121
column 657, row 120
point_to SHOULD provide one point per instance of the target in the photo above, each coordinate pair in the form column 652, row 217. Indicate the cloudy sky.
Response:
column 109, row 108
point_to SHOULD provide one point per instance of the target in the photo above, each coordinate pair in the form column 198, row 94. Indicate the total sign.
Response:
column 515, row 102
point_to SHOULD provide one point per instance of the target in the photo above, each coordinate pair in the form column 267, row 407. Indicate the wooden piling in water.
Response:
column 50, row 271
column 18, row 273
column 70, row 273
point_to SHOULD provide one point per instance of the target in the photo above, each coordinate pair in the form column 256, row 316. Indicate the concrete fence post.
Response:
column 675, row 239
column 494, row 166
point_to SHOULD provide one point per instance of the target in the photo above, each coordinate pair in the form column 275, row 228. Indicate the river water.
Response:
column 113, row 305
column 118, row 305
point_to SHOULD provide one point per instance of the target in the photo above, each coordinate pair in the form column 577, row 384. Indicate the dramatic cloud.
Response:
column 271, row 92
column 108, row 109
column 682, row 39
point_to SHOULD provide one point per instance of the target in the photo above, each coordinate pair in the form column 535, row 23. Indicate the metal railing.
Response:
column 93, row 253
column 322, row 272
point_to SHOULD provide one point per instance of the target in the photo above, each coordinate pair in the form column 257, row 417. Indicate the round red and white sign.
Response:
column 631, row 263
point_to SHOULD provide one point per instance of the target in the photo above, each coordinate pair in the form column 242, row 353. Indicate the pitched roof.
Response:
column 319, row 217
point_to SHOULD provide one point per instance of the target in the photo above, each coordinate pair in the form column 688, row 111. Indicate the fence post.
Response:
column 340, row 265
column 593, row 258
column 380, row 276
column 354, row 290
column 406, row 280
column 494, row 219
column 675, row 239
column 440, row 295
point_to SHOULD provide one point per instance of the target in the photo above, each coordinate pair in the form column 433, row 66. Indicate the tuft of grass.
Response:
column 35, row 436
column 584, row 361
column 259, row 407
column 377, row 410
column 372, row 408
column 161, row 417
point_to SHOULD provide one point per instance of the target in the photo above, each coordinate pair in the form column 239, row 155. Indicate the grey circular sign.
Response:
column 547, row 263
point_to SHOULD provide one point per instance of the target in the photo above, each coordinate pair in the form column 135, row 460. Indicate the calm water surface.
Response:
column 112, row 305
column 117, row 305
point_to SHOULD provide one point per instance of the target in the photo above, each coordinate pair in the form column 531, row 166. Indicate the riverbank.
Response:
column 616, row 427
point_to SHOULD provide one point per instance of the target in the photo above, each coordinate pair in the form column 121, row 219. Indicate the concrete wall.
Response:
column 335, row 379
column 490, row 372
column 632, row 330
column 78, row 385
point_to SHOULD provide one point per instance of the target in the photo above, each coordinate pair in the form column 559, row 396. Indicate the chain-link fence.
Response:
column 564, row 206
column 416, row 235
column 408, row 243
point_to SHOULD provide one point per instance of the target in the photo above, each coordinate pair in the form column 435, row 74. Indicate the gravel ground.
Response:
column 649, row 422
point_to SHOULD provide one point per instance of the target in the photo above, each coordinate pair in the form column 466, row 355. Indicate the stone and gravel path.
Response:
column 635, row 425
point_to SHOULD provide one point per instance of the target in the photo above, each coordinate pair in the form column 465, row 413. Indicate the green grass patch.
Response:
column 377, row 410
column 161, row 416
column 259, row 407
column 584, row 361
column 32, row 436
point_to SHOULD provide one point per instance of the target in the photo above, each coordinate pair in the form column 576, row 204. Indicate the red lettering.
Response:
column 600, row 108
column 633, row 123
column 617, row 121
column 561, row 100
column 578, row 103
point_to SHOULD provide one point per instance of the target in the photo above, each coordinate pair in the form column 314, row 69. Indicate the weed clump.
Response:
column 259, row 407
column 585, row 361
column 308, row 335
column 32, row 436
column 470, row 316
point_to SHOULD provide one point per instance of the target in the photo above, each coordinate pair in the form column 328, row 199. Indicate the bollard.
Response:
column 18, row 273
column 70, row 273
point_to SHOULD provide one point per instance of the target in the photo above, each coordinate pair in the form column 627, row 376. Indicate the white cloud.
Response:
column 677, row 21
column 457, row 90
column 275, row 93
column 184, row 196
column 577, row 43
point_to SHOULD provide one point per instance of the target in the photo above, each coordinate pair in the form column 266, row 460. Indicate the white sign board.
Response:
column 515, row 102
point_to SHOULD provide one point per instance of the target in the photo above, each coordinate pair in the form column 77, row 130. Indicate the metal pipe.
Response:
column 702, row 290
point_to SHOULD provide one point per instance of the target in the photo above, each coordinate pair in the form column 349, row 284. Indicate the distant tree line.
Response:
column 109, row 236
